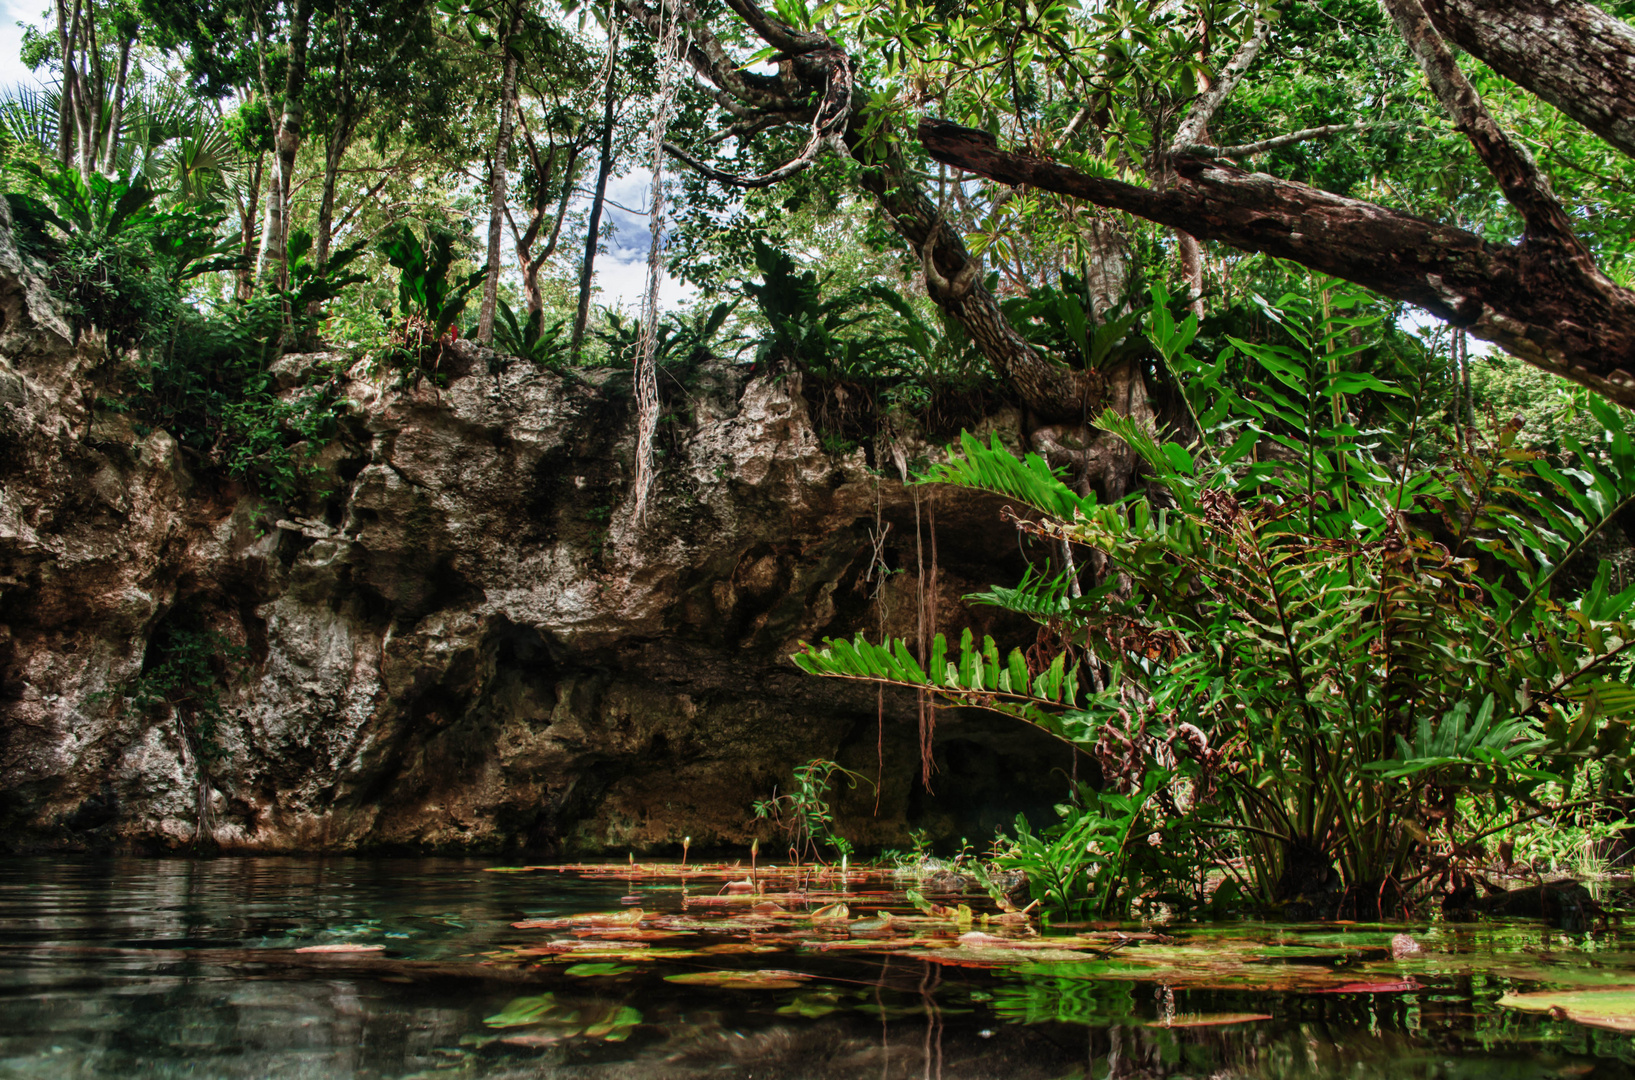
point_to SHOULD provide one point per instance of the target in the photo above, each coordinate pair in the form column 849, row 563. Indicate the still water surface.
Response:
column 173, row 968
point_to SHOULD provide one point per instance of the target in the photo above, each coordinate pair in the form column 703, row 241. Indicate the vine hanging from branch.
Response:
column 671, row 49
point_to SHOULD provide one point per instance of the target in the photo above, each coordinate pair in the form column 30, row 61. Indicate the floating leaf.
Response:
column 348, row 948
column 597, row 969
column 523, row 1010
column 769, row 979
column 812, row 1006
column 1192, row 1020
column 1398, row 987
column 726, row 947
column 1611, row 1008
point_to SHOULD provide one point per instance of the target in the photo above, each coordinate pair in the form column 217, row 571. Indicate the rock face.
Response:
column 461, row 639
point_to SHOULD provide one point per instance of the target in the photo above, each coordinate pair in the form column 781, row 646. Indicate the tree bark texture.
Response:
column 286, row 145
column 1572, row 54
column 1536, row 299
column 497, row 178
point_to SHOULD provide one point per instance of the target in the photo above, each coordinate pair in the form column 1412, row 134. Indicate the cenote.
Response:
column 783, row 540
column 305, row 967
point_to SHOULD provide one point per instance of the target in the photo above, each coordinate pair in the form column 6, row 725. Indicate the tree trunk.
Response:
column 530, row 261
column 1537, row 300
column 338, row 139
column 246, row 274
column 593, row 228
column 65, row 99
column 116, row 115
column 287, row 143
column 334, row 148
column 497, row 176
column 1192, row 268
column 273, row 226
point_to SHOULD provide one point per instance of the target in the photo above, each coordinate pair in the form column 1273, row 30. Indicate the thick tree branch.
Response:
column 783, row 172
column 775, row 33
column 1560, row 314
column 1518, row 175
column 710, row 58
column 1570, row 53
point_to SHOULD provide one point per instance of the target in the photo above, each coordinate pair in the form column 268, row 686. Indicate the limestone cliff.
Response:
column 460, row 639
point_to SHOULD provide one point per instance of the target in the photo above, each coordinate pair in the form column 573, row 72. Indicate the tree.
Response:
column 604, row 169
column 364, row 55
column 1542, row 298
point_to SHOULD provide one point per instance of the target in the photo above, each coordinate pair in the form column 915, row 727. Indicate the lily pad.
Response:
column 1194, row 1020
column 1613, row 1009
column 596, row 970
column 347, row 948
column 769, row 979
column 813, row 1006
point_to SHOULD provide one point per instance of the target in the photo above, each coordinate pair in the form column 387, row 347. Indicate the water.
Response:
column 137, row 968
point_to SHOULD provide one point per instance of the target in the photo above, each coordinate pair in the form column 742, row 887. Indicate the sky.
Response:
column 621, row 272
column 12, row 72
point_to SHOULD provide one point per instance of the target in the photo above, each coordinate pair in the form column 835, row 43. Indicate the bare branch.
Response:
column 828, row 124
column 757, row 122
column 781, row 173
column 1191, row 131
column 1278, row 142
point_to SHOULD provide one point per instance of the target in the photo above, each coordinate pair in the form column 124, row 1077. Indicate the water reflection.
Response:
column 180, row 968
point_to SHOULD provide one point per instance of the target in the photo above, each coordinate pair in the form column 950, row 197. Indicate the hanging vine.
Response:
column 647, row 383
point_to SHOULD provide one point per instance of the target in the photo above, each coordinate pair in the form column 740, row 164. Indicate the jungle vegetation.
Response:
column 1319, row 317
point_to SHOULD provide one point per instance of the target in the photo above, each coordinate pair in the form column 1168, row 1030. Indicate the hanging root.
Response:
column 671, row 49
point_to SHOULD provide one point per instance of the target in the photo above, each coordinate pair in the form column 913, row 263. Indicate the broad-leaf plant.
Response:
column 1321, row 659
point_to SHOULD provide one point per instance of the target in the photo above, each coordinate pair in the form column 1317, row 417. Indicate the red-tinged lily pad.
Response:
column 1397, row 987
column 630, row 917
column 727, row 947
column 1613, row 1009
column 348, row 948
column 769, row 979
column 879, row 944
column 991, row 956
column 1195, row 1020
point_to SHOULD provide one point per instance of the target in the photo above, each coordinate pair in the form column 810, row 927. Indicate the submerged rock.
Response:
column 1566, row 904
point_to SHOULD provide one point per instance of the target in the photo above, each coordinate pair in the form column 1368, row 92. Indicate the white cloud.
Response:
column 12, row 71
column 621, row 271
